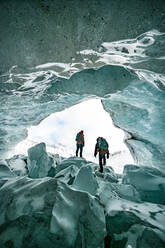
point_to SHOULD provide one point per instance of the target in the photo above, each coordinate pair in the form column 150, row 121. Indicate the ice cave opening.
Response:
column 58, row 132
column 54, row 56
column 69, row 203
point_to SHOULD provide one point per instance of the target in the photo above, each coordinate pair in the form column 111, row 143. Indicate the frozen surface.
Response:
column 18, row 164
column 67, row 175
column 39, row 163
column 65, row 163
column 70, row 202
column 138, row 110
column 5, row 170
column 80, row 217
column 38, row 202
column 139, row 225
column 149, row 182
column 85, row 180
column 80, row 207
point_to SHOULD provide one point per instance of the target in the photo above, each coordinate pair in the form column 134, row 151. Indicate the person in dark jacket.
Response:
column 101, row 147
column 80, row 142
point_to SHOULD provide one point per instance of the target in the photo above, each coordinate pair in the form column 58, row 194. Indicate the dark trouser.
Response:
column 79, row 147
column 102, row 161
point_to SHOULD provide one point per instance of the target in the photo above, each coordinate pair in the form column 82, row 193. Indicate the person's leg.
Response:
column 104, row 160
column 100, row 163
column 77, row 150
column 81, row 150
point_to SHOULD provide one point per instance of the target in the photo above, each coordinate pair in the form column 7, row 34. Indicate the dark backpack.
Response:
column 78, row 137
column 102, row 144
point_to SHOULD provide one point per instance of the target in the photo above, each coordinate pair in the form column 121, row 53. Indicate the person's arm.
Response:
column 96, row 150
column 108, row 154
column 83, row 140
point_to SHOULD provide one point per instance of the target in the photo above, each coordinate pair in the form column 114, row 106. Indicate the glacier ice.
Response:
column 138, row 110
column 45, row 203
column 5, row 170
column 78, row 219
column 80, row 208
column 39, row 163
column 67, row 175
column 65, row 163
column 45, row 40
column 149, row 182
column 85, row 180
column 134, row 210
column 135, row 106
column 131, row 224
column 46, row 206
column 18, row 164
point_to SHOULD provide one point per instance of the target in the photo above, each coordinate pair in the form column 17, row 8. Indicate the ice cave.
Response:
column 54, row 55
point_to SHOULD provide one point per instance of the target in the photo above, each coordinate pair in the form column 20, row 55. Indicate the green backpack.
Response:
column 78, row 137
column 102, row 144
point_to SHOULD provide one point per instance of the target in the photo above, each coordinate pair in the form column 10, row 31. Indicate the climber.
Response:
column 101, row 147
column 80, row 142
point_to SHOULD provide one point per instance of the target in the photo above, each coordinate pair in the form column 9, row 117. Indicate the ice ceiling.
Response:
column 126, row 75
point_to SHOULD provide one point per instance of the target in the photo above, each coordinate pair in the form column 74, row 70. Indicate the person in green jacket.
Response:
column 102, row 148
